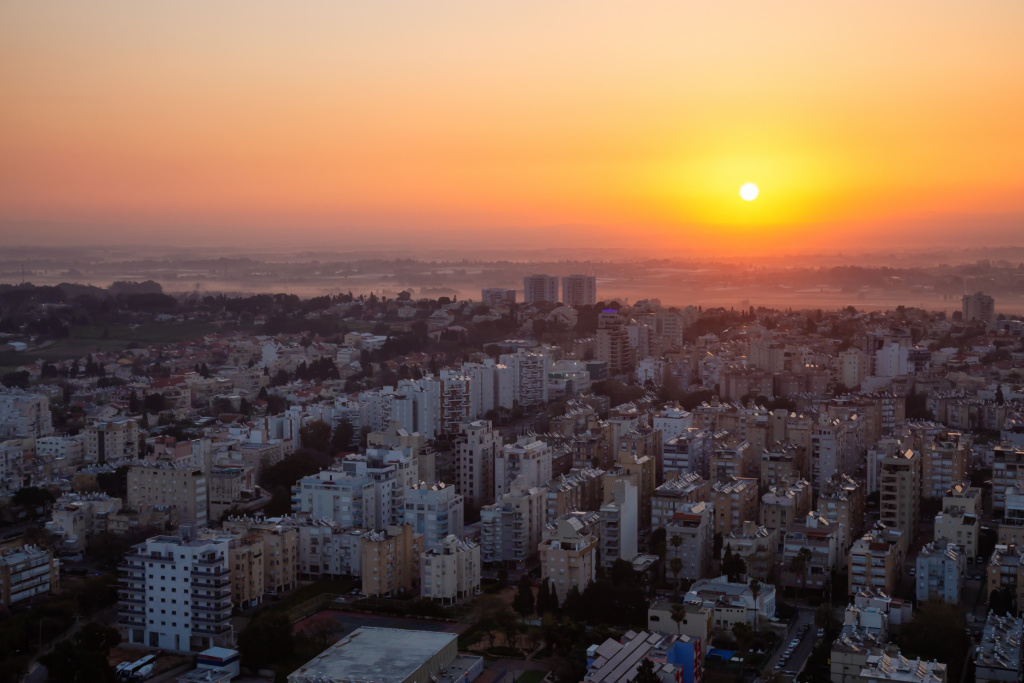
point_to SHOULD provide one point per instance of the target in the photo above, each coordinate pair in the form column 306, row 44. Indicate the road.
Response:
column 805, row 617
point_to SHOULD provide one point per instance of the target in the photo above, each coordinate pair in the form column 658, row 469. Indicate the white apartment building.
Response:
column 530, row 370
column 66, row 452
column 689, row 451
column 494, row 385
column 175, row 594
column 579, row 290
column 511, row 528
column 392, row 471
column 331, row 494
column 451, row 571
column 998, row 657
column 568, row 556
column 672, row 422
column 24, row 415
column 959, row 522
column 435, row 511
column 940, row 573
column 694, row 525
column 477, row 447
column 540, row 289
column 620, row 524
column 457, row 401
column 327, row 549
column 528, row 457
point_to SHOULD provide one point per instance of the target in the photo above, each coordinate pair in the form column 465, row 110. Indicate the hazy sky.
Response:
column 551, row 122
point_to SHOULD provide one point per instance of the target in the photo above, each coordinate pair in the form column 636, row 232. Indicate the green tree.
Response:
column 341, row 440
column 678, row 614
column 32, row 498
column 523, row 602
column 755, row 591
column 645, row 673
column 733, row 566
column 547, row 599
column 316, row 436
column 83, row 657
column 937, row 632
column 573, row 606
column 675, row 565
column 658, row 542
column 800, row 563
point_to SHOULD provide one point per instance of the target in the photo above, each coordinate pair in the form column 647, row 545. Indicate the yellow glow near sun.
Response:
column 749, row 192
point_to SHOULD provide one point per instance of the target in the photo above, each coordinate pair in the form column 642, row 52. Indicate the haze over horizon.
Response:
column 518, row 125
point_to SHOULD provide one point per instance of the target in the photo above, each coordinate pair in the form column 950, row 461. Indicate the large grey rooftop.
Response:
column 374, row 654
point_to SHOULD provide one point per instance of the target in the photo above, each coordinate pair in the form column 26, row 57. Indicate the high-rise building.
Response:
column 511, row 528
column 540, row 289
column 174, row 593
column 568, row 556
column 112, row 442
column 451, row 571
column 613, row 343
column 940, row 573
column 979, row 307
column 735, row 501
column 901, row 494
column 280, row 543
column 435, row 511
column 24, row 415
column 959, row 520
column 528, row 457
column 477, row 446
column 391, row 560
column 579, row 290
column 694, row 524
column 944, row 463
column 619, row 524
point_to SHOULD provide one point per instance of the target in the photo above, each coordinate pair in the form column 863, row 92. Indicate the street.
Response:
column 796, row 661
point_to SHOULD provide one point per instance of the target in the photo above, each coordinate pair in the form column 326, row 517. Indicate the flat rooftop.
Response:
column 374, row 654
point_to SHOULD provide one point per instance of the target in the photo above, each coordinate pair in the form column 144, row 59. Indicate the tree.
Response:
column 32, row 498
column 675, row 565
column 657, row 542
column 573, row 606
column 83, row 657
column 645, row 673
column 267, row 639
column 1000, row 399
column 523, row 602
column 755, row 591
column 798, row 565
column 322, row 629
column 937, row 632
column 341, row 440
column 678, row 614
column 547, row 599
column 316, row 436
column 733, row 566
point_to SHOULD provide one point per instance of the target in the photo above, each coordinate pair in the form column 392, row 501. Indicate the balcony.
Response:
column 127, row 620
column 212, row 629
column 202, row 619
column 128, row 610
column 219, row 571
column 131, row 589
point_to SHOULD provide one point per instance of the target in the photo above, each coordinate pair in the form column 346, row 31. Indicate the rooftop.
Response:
column 374, row 654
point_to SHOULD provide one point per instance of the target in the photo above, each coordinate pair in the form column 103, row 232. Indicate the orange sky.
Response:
column 375, row 122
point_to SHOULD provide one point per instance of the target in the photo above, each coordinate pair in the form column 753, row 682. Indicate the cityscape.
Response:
column 512, row 342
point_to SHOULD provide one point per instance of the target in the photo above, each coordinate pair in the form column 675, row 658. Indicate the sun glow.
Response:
column 749, row 192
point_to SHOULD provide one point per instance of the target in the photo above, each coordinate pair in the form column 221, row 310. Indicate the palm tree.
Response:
column 678, row 615
column 798, row 565
column 676, row 565
column 755, row 590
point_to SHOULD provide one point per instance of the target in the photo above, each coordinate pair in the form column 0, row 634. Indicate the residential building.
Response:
column 568, row 556
column 26, row 572
column 529, row 372
column 579, row 290
column 12, row 469
column 783, row 506
column 944, row 464
column 457, row 406
column 757, row 546
column 613, row 343
column 450, row 572
column 940, row 573
column 280, row 541
column 780, row 466
column 997, row 659
column 619, row 524
column 688, row 452
column 390, row 561
column 435, row 511
column 978, row 307
column 670, row 496
column 24, row 415
column 76, row 517
column 896, row 667
column 959, row 522
column 477, row 446
column 733, row 603
column 540, row 289
column 174, row 593
column 166, row 486
column 694, row 525
column 697, row 619
column 735, row 501
column 528, row 457
column 113, row 442
column 841, row 501
column 581, row 489
column 875, row 562
column 335, row 495
column 246, row 562
column 733, row 460
column 901, row 493
column 1007, row 473
column 820, row 538
column 1006, row 572
column 511, row 529
column 328, row 549
column 497, row 296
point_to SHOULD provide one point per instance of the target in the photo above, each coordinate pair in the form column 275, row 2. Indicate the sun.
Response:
column 749, row 192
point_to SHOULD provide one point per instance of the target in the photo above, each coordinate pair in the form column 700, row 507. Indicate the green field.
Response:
column 89, row 339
